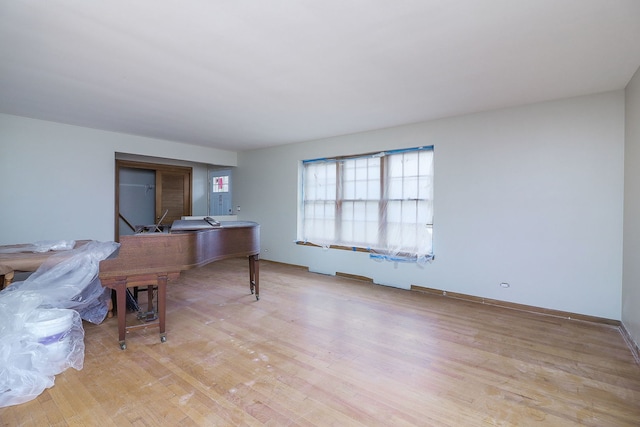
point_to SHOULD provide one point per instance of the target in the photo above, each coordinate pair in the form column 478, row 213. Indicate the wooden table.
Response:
column 12, row 259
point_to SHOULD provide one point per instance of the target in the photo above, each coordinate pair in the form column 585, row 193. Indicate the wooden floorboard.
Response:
column 318, row 350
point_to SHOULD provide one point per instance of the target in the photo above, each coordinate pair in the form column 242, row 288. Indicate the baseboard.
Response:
column 284, row 264
column 635, row 349
column 515, row 306
column 337, row 274
column 354, row 277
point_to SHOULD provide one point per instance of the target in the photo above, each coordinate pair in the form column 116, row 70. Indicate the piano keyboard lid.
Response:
column 192, row 224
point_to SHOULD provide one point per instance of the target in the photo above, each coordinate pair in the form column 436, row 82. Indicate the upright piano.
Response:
column 154, row 259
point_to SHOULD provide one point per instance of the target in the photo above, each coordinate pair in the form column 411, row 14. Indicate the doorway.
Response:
column 146, row 191
column 220, row 192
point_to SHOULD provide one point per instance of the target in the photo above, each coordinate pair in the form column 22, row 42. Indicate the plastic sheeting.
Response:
column 41, row 332
column 41, row 246
column 69, row 279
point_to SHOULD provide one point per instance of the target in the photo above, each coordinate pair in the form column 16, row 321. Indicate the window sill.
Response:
column 374, row 253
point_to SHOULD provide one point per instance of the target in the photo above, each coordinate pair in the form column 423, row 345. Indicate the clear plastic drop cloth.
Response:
column 40, row 246
column 41, row 332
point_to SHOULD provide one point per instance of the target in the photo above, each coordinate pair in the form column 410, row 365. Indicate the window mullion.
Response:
column 382, row 205
column 339, row 196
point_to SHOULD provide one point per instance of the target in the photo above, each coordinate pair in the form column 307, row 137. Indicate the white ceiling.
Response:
column 243, row 74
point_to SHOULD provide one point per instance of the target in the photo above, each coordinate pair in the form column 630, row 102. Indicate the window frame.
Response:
column 380, row 248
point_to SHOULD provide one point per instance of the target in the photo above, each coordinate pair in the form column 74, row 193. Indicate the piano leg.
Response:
column 254, row 275
column 162, row 305
column 120, row 286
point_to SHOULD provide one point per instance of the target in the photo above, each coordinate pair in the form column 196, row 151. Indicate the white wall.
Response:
column 58, row 180
column 631, row 270
column 531, row 196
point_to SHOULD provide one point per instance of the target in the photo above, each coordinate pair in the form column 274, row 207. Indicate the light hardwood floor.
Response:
column 319, row 351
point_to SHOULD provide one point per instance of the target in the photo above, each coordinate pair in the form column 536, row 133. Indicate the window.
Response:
column 382, row 203
column 220, row 184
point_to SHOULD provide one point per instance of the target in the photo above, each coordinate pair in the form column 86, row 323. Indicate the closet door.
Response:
column 173, row 195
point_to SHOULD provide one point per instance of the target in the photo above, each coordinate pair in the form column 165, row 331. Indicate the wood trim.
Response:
column 338, row 273
column 516, row 306
column 116, row 213
column 635, row 349
column 153, row 166
column 285, row 264
column 354, row 277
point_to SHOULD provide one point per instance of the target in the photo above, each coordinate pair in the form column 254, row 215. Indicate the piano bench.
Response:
column 120, row 284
